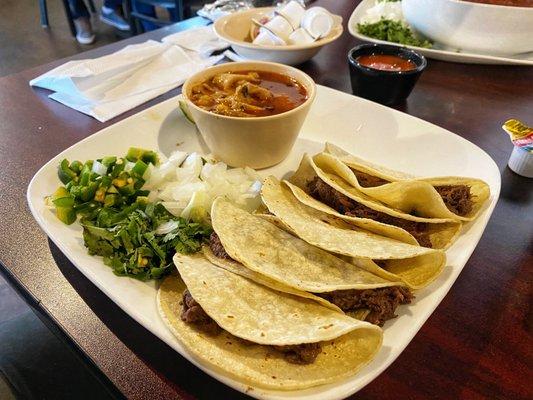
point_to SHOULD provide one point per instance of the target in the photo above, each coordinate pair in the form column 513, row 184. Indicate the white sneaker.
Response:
column 111, row 17
column 84, row 31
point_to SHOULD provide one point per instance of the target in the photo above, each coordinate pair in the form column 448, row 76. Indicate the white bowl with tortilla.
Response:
column 471, row 26
column 258, row 141
column 235, row 29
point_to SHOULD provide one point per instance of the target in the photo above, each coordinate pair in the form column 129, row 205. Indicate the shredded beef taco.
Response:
column 272, row 253
column 319, row 183
column 215, row 253
column 445, row 197
column 258, row 335
column 414, row 265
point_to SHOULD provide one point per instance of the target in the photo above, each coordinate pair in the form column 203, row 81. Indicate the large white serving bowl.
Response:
column 235, row 29
column 476, row 27
column 256, row 142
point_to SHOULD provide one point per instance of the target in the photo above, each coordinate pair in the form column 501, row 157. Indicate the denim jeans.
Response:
column 79, row 9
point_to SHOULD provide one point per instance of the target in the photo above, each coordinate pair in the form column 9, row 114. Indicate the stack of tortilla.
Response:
column 295, row 297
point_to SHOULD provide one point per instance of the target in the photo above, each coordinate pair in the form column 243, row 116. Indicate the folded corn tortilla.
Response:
column 441, row 232
column 239, row 269
column 407, row 193
column 415, row 266
column 263, row 316
column 265, row 248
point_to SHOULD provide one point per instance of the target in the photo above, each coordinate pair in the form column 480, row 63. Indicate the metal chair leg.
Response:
column 179, row 10
column 91, row 6
column 44, row 13
column 69, row 18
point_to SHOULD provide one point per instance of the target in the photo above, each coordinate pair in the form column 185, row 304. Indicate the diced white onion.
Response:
column 166, row 227
column 129, row 166
column 383, row 9
column 99, row 168
column 187, row 187
column 173, row 208
column 177, row 157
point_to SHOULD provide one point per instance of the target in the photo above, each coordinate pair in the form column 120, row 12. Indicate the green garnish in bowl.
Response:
column 392, row 31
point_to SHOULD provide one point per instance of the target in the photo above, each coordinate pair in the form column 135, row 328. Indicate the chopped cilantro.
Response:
column 392, row 31
column 127, row 240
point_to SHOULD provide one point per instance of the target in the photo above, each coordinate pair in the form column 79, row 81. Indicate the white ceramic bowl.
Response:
column 235, row 29
column 475, row 27
column 256, row 142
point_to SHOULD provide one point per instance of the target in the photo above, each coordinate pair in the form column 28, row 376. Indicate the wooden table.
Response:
column 477, row 344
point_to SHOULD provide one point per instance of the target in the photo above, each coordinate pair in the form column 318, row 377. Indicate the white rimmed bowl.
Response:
column 235, row 29
column 475, row 27
column 256, row 142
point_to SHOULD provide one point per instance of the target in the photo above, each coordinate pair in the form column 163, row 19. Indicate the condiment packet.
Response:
column 521, row 135
column 521, row 160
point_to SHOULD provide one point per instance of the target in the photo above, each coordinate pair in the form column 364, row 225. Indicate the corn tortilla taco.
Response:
column 453, row 197
column 415, row 266
column 260, row 246
column 258, row 335
column 321, row 183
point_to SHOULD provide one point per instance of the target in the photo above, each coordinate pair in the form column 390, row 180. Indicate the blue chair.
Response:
column 174, row 7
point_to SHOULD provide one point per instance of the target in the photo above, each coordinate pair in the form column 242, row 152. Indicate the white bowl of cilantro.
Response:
column 383, row 20
column 503, row 27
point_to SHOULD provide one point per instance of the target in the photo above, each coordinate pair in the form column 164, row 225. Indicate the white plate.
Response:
column 378, row 133
column 437, row 53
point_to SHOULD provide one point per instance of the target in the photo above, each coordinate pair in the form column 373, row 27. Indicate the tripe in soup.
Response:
column 248, row 94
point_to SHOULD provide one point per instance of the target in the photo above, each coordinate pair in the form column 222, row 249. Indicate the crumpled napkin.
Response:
column 220, row 8
column 202, row 40
column 108, row 86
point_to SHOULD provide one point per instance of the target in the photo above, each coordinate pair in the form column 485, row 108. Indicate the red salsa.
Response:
column 385, row 62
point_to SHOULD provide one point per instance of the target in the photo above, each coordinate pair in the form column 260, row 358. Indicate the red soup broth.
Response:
column 385, row 62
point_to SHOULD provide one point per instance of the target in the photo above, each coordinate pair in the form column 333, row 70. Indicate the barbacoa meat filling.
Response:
column 381, row 302
column 366, row 180
column 323, row 192
column 457, row 198
column 216, row 247
column 193, row 313
column 300, row 353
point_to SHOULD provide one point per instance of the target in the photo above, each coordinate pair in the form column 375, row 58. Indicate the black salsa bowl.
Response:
column 385, row 87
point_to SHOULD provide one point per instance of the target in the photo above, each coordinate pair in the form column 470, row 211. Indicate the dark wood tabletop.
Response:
column 476, row 345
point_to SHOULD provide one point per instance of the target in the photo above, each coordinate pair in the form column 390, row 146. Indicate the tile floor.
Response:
column 25, row 44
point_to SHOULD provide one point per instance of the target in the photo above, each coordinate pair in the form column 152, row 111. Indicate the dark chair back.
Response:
column 174, row 7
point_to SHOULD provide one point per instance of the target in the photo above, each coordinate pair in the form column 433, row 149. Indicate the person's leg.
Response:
column 78, row 9
column 111, row 16
column 82, row 22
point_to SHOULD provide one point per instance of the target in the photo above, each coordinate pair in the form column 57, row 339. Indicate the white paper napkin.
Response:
column 202, row 40
column 220, row 8
column 108, row 86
